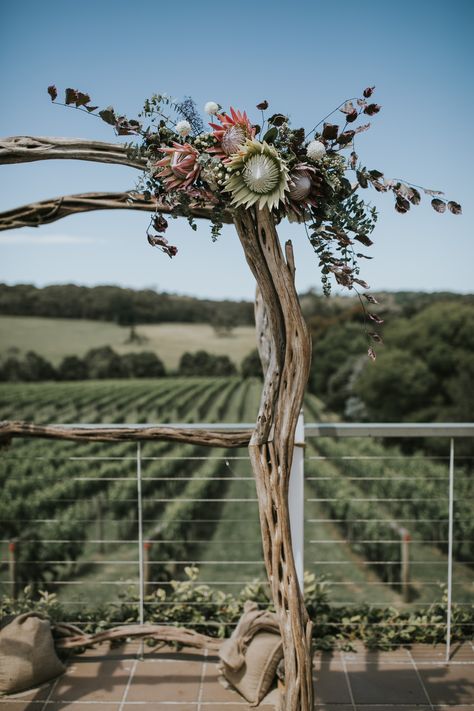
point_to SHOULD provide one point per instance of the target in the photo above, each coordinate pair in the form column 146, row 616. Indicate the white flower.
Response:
column 183, row 128
column 211, row 108
column 316, row 150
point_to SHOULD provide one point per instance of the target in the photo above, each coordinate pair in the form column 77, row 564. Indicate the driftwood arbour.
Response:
column 285, row 350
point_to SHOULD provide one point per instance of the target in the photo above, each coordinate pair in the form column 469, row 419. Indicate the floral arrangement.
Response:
column 310, row 177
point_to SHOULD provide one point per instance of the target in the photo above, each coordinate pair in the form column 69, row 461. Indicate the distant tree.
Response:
column 72, row 368
column 223, row 366
column 223, row 324
column 204, row 363
column 251, row 366
column 339, row 347
column 36, row 368
column 143, row 365
column 103, row 363
column 11, row 370
column 401, row 388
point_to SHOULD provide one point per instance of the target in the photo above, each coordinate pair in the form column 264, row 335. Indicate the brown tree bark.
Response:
column 271, row 447
column 206, row 438
column 41, row 213
column 25, row 149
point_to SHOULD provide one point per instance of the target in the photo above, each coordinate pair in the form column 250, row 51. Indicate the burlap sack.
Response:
column 257, row 674
column 27, row 654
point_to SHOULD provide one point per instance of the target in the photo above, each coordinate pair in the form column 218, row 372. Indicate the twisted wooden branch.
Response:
column 41, row 213
column 285, row 348
column 71, row 637
column 25, row 149
column 206, row 438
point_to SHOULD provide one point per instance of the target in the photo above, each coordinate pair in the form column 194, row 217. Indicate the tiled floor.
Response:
column 119, row 679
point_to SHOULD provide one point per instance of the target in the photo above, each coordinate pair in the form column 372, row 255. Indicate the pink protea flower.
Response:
column 232, row 134
column 179, row 167
column 304, row 188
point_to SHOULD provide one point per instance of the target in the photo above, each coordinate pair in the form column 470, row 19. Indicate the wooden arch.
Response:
column 285, row 350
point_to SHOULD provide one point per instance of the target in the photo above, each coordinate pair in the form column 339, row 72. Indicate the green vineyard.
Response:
column 69, row 513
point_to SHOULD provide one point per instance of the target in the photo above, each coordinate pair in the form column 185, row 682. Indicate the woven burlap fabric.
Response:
column 249, row 658
column 255, row 677
column 27, row 654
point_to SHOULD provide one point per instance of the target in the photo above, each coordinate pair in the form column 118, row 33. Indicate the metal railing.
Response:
column 299, row 501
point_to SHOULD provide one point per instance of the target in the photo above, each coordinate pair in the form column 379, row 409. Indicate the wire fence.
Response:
column 379, row 527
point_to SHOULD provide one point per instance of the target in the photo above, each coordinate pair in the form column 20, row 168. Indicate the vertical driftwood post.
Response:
column 286, row 353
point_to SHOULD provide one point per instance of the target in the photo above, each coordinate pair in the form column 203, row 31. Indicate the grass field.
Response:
column 56, row 338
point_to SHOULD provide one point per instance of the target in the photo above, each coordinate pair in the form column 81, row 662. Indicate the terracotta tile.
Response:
column 384, row 707
column 388, row 685
column 326, row 657
column 448, row 684
column 165, row 681
column 20, row 701
column 213, row 690
column 153, row 706
column 462, row 652
column 428, row 652
column 17, row 704
column 88, row 679
column 375, row 657
column 330, row 685
column 68, row 706
column 234, row 707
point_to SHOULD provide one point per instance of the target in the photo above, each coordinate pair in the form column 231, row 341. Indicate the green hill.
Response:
column 54, row 338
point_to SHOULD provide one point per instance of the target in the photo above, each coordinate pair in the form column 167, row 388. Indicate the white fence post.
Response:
column 450, row 549
column 296, row 501
column 141, row 581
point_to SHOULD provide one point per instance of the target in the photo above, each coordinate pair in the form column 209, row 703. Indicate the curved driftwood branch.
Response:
column 206, row 438
column 25, row 149
column 41, row 213
column 286, row 349
column 71, row 637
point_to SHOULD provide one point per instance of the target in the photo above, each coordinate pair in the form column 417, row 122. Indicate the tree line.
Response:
column 104, row 362
column 123, row 306
column 424, row 372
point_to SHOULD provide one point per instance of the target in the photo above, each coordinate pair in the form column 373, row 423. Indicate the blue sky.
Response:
column 304, row 58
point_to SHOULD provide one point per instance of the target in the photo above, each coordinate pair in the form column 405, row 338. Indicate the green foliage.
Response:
column 104, row 363
column 143, row 365
column 122, row 306
column 425, row 372
column 98, row 364
column 251, row 366
column 214, row 612
column 33, row 368
column 203, row 363
column 399, row 388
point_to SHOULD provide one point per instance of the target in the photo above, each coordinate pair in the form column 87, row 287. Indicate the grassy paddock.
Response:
column 56, row 338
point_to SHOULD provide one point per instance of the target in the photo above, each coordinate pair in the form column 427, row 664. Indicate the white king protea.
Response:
column 316, row 150
column 257, row 175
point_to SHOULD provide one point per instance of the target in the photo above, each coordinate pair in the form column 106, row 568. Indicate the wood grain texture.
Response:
column 286, row 348
column 25, row 149
column 41, row 213
column 207, row 438
column 71, row 637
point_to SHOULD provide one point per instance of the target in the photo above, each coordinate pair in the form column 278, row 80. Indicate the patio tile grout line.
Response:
column 129, row 683
column 410, row 656
column 46, row 701
column 201, row 683
column 348, row 681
